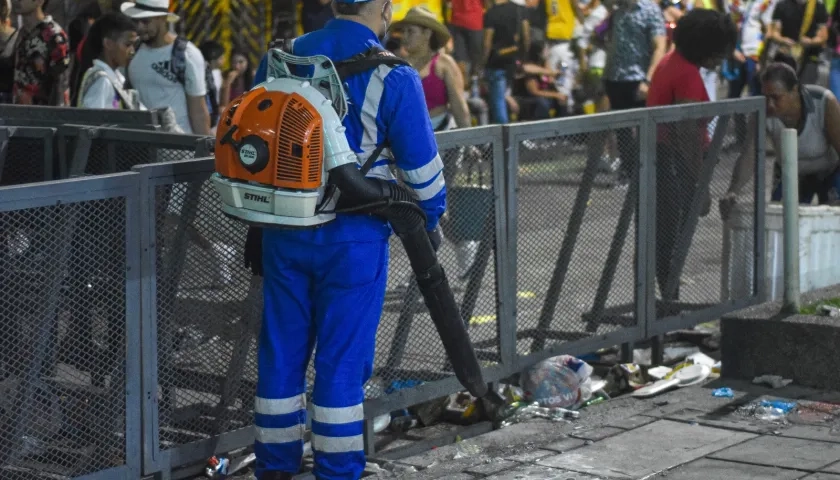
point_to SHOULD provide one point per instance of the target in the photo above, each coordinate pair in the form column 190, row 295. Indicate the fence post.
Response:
column 505, row 153
column 760, row 237
column 790, row 218
column 151, row 461
column 645, row 292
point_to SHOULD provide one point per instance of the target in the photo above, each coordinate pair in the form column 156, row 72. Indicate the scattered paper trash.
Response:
column 829, row 311
column 692, row 375
column 774, row 381
column 240, row 463
column 624, row 377
column 701, row 358
column 723, row 392
column 658, row 373
column 656, row 388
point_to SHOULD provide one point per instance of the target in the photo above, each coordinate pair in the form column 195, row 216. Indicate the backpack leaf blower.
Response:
column 283, row 161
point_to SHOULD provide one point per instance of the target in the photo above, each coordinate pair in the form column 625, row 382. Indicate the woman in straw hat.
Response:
column 423, row 39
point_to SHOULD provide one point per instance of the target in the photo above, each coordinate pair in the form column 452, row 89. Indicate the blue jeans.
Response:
column 834, row 76
column 497, row 80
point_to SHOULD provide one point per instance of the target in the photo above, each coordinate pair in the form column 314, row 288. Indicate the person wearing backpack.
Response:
column 109, row 46
column 168, row 70
column 326, row 286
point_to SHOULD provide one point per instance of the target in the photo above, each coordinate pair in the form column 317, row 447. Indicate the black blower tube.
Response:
column 394, row 203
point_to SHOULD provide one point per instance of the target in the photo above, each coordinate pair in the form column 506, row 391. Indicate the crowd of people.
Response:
column 129, row 59
column 480, row 61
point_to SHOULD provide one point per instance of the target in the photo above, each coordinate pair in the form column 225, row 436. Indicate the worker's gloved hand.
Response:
column 253, row 251
column 436, row 238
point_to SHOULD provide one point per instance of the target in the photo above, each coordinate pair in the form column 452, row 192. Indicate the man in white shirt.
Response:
column 153, row 74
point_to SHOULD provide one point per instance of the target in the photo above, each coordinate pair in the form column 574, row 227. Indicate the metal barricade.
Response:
column 688, row 252
column 572, row 232
column 202, row 314
column 70, row 349
column 409, row 353
column 39, row 154
column 27, row 155
column 547, row 250
column 200, row 386
column 10, row 114
column 608, row 236
column 92, row 150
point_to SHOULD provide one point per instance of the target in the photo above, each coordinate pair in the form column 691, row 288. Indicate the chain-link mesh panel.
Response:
column 25, row 162
column 175, row 154
column 408, row 346
column 107, row 155
column 29, row 114
column 209, row 309
column 62, row 351
column 577, row 200
column 694, row 166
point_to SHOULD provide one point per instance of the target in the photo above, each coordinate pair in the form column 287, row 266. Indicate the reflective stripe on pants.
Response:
column 333, row 293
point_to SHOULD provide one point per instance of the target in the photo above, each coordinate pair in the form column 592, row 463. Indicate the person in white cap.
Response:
column 168, row 71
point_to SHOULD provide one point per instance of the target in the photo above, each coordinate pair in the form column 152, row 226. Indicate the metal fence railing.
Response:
column 546, row 250
column 28, row 115
column 30, row 154
column 70, row 349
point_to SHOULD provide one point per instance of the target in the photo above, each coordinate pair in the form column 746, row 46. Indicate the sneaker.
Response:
column 609, row 165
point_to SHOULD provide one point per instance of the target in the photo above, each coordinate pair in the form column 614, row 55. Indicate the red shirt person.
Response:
column 702, row 38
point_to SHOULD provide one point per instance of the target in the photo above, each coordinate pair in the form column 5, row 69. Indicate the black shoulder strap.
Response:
column 354, row 65
column 364, row 62
column 284, row 44
column 369, row 60
column 178, row 62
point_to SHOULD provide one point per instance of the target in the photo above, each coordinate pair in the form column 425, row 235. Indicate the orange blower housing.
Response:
column 279, row 140
column 277, row 143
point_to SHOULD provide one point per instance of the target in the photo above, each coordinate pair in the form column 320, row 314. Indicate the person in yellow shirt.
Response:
column 560, row 17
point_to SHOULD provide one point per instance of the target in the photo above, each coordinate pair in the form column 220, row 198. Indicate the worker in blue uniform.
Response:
column 326, row 286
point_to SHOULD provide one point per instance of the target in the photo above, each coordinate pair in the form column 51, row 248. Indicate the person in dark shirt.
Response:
column 506, row 30
column 784, row 34
column 315, row 14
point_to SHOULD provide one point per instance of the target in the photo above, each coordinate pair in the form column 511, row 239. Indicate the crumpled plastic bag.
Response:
column 562, row 381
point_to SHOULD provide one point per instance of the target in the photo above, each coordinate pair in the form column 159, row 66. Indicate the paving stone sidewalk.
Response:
column 686, row 434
